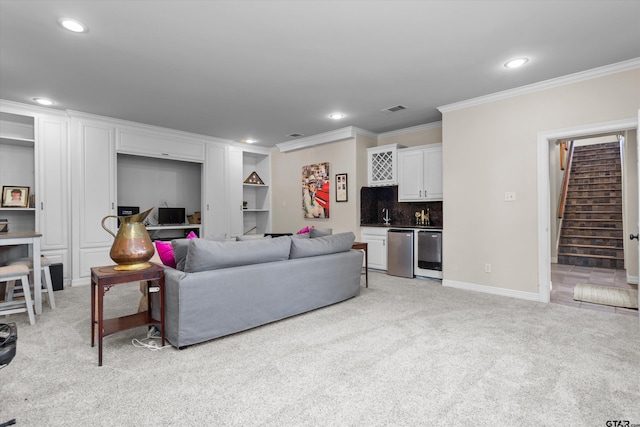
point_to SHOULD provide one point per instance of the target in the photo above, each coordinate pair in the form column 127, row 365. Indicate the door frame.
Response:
column 544, row 202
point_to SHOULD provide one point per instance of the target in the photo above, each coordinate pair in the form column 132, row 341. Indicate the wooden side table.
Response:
column 363, row 246
column 103, row 278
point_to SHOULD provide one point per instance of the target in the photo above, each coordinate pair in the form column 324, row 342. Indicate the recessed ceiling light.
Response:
column 44, row 101
column 73, row 25
column 250, row 141
column 515, row 63
column 336, row 116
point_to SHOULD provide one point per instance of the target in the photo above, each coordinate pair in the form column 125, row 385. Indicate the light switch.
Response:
column 510, row 196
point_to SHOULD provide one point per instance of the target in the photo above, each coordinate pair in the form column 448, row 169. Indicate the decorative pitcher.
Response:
column 132, row 247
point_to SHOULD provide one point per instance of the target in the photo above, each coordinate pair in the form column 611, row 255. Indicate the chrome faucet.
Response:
column 386, row 218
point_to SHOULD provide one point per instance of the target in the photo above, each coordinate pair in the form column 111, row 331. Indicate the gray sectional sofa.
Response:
column 228, row 287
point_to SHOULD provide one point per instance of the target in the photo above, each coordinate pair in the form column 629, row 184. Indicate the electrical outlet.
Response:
column 487, row 268
column 509, row 196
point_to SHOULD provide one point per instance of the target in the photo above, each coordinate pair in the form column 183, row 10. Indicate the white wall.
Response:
column 491, row 148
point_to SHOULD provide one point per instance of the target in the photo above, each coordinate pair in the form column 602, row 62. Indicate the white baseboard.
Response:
column 632, row 279
column 492, row 290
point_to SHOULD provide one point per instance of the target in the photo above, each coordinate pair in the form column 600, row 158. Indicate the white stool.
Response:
column 9, row 274
column 46, row 276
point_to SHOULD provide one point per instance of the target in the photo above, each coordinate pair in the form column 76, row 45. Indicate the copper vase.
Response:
column 132, row 247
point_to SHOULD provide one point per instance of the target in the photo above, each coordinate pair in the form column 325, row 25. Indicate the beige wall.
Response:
column 492, row 148
column 410, row 138
column 286, row 170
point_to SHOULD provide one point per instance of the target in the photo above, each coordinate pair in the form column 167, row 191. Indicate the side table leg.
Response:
column 93, row 313
column 100, row 323
column 366, row 267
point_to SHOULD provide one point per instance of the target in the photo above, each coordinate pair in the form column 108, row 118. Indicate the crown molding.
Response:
column 413, row 129
column 26, row 108
column 546, row 84
column 324, row 138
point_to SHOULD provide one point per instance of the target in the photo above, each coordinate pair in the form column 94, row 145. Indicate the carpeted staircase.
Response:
column 591, row 234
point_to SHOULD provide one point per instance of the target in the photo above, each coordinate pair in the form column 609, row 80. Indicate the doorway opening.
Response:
column 556, row 281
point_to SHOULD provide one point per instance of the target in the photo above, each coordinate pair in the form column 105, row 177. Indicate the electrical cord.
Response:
column 148, row 343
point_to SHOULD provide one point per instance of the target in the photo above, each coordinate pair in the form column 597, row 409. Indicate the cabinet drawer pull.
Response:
column 41, row 206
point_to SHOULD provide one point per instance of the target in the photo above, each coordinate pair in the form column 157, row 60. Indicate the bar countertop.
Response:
column 425, row 227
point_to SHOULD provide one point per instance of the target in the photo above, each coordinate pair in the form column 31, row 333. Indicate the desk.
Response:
column 102, row 279
column 32, row 239
column 363, row 246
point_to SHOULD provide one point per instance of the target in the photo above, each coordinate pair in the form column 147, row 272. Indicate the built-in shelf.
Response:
column 23, row 142
column 170, row 232
column 17, row 209
column 173, row 227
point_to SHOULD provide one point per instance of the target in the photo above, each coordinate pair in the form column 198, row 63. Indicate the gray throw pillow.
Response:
column 341, row 242
column 320, row 232
column 180, row 247
column 205, row 255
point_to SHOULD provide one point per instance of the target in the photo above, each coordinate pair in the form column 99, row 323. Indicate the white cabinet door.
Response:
column 52, row 196
column 215, row 212
column 433, row 172
column 376, row 237
column 163, row 145
column 93, row 185
column 377, row 251
column 410, row 175
column 235, row 192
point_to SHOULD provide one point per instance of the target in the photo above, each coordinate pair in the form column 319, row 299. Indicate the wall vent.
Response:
column 394, row 109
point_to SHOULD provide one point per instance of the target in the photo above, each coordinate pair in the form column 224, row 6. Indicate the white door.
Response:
column 638, row 225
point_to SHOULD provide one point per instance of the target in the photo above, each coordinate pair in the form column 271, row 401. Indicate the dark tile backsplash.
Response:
column 374, row 199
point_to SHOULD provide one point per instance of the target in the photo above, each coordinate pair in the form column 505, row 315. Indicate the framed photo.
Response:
column 15, row 197
column 341, row 187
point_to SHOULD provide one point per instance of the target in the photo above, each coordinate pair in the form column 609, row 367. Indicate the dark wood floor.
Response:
column 565, row 277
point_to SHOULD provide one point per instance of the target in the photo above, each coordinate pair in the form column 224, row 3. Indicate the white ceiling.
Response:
column 267, row 69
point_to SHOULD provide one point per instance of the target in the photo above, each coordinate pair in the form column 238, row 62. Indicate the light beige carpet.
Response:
column 606, row 295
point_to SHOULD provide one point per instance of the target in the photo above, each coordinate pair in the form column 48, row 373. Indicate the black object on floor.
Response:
column 56, row 277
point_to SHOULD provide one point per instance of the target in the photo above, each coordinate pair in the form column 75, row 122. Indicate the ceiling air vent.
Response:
column 394, row 109
column 295, row 135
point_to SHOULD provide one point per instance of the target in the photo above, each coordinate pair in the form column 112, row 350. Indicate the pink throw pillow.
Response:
column 165, row 251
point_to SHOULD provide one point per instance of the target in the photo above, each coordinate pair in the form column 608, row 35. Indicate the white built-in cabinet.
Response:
column 376, row 238
column 250, row 204
column 70, row 162
column 34, row 154
column 420, row 173
column 382, row 165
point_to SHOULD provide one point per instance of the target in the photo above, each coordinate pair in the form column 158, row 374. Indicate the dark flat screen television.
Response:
column 171, row 216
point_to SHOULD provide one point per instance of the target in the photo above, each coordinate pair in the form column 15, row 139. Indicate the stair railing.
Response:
column 565, row 182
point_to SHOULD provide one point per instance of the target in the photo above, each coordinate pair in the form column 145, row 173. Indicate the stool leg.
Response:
column 8, row 292
column 28, row 300
column 46, row 279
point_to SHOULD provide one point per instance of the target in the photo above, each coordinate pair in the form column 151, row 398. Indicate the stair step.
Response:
column 591, row 261
column 599, row 199
column 592, row 241
column 591, row 256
